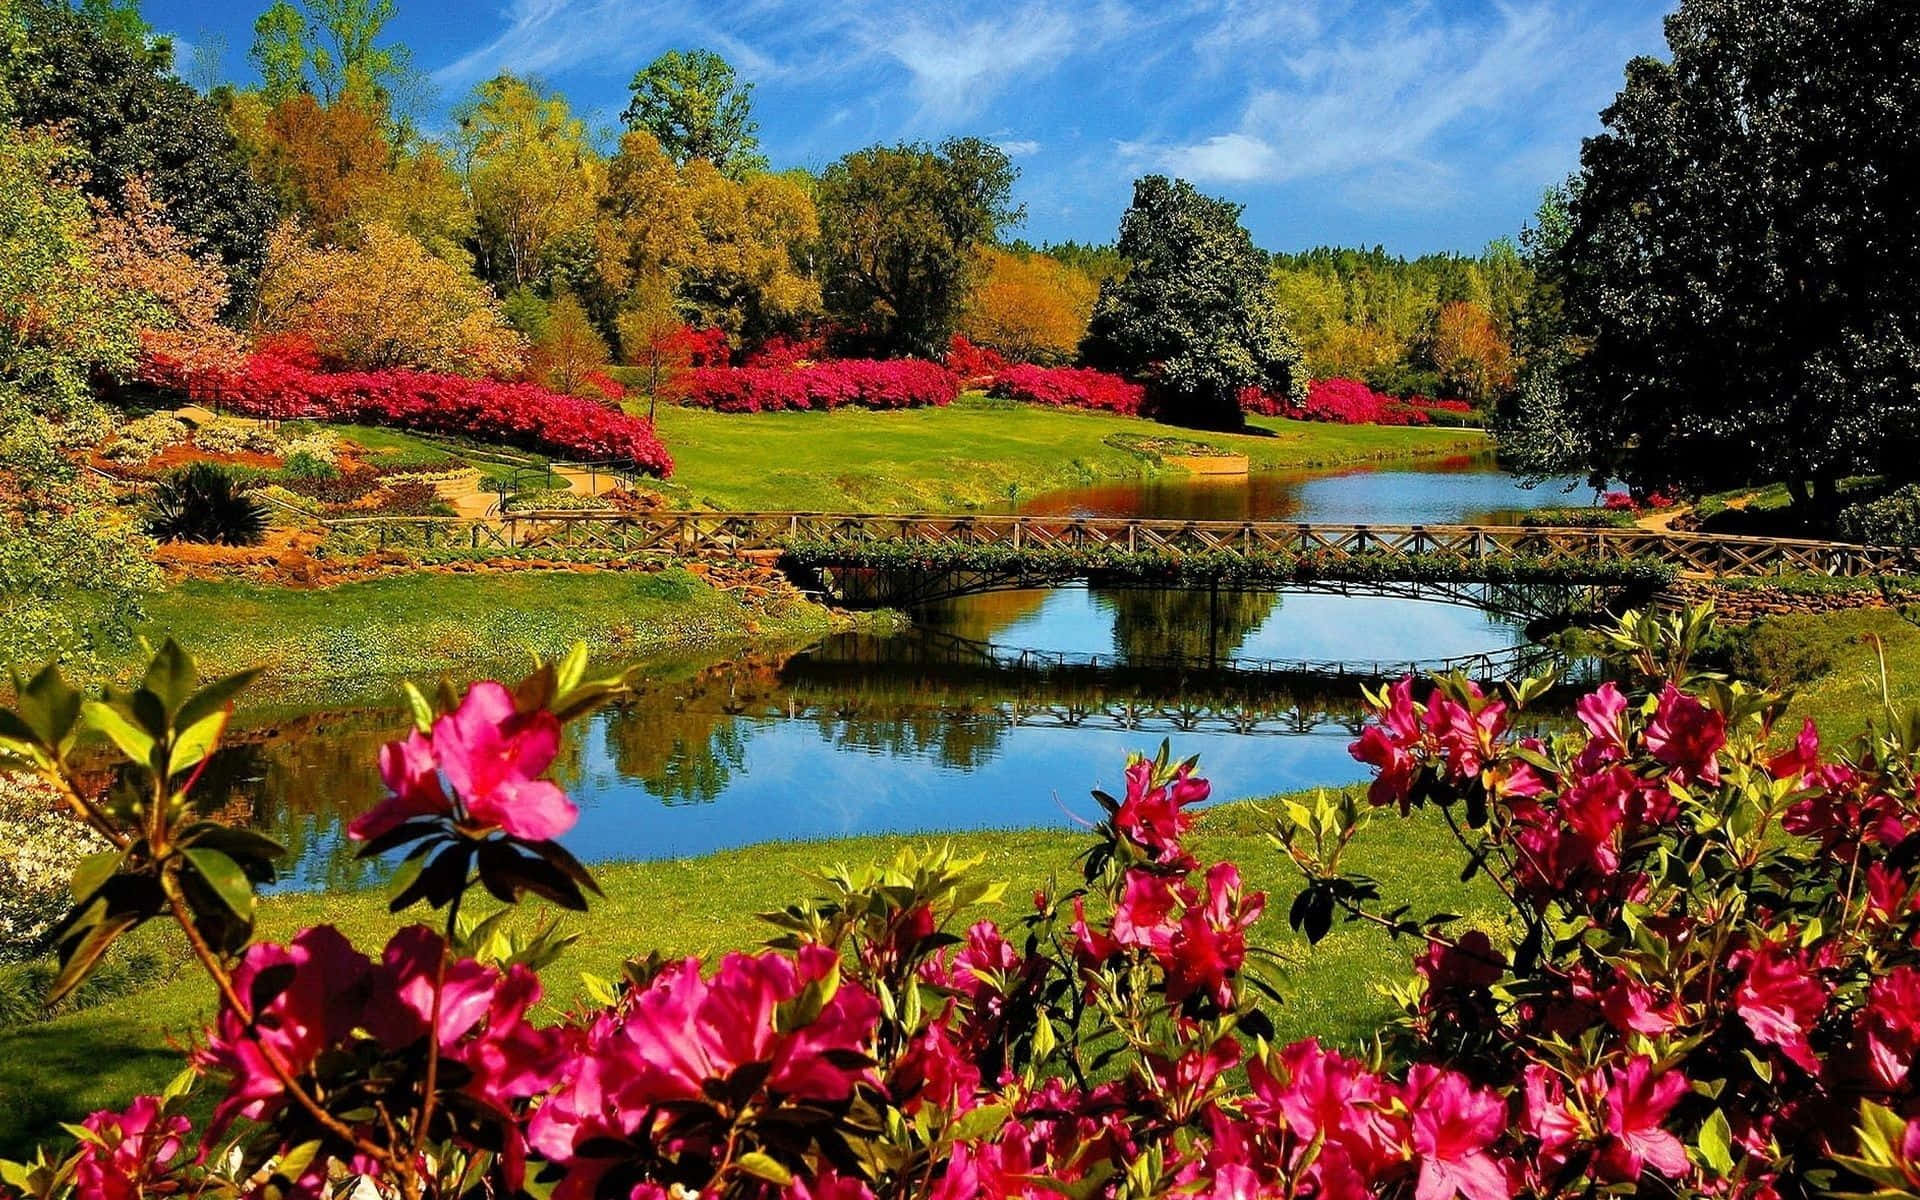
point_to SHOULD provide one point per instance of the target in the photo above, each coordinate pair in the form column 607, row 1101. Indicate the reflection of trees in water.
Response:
column 1194, row 624
column 981, row 618
column 680, row 755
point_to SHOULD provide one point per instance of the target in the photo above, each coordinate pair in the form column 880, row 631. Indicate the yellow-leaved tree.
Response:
column 1029, row 307
column 386, row 302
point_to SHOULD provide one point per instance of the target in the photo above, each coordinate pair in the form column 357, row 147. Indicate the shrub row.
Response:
column 1230, row 568
column 1070, row 387
column 859, row 383
column 287, row 385
column 1892, row 520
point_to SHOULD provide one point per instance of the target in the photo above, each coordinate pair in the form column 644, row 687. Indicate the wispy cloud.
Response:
column 1384, row 92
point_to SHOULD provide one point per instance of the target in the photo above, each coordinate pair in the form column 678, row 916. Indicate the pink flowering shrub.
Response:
column 1345, row 402
column 1070, row 387
column 280, row 382
column 860, row 383
column 1706, row 982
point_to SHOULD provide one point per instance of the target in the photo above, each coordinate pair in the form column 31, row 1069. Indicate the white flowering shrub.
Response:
column 139, row 440
column 40, row 845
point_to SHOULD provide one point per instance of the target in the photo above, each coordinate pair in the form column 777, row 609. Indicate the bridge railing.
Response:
column 734, row 532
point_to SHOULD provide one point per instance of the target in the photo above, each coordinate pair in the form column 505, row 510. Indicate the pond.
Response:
column 1465, row 489
column 938, row 728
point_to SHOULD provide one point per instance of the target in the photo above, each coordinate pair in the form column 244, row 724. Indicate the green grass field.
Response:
column 967, row 456
column 429, row 622
column 104, row 1055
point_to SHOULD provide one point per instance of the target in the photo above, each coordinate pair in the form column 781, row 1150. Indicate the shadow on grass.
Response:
column 65, row 1070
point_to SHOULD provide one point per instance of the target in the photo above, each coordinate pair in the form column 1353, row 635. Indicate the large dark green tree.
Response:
column 1741, row 270
column 108, row 98
column 1195, row 315
column 697, row 108
column 900, row 227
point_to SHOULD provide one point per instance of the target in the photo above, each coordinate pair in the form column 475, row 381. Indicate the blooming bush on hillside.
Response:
column 281, row 382
column 977, row 366
column 1350, row 402
column 1070, row 387
column 858, row 383
column 1707, row 982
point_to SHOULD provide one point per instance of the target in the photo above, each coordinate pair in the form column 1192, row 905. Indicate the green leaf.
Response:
column 79, row 958
column 763, row 1166
column 1716, row 1143
column 215, row 697
column 422, row 711
column 195, row 742
column 225, row 878
column 50, row 708
column 134, row 742
column 171, row 676
column 92, row 874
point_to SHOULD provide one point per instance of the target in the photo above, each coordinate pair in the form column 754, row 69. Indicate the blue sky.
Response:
column 1421, row 125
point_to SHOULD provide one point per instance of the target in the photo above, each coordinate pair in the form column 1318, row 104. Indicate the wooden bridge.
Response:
column 857, row 534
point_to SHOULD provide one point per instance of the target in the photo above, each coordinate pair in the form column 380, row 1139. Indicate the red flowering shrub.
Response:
column 782, row 351
column 1706, row 982
column 700, row 347
column 1070, row 387
column 843, row 383
column 284, row 383
column 977, row 366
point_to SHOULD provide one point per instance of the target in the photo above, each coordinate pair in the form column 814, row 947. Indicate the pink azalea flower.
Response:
column 1633, row 1007
column 1156, row 818
column 1637, row 1102
column 492, row 756
column 1143, row 918
column 136, row 1152
column 1687, row 736
column 828, row 1185
column 1454, row 1127
column 412, row 777
column 1891, row 1020
column 1601, row 712
column 1780, row 999
column 318, row 1008
column 1470, row 963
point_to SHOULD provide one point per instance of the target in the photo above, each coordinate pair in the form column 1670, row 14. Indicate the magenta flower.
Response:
column 492, row 756
column 136, row 1153
column 1638, row 1102
column 1687, row 736
column 1454, row 1127
column 1156, row 818
column 1780, row 999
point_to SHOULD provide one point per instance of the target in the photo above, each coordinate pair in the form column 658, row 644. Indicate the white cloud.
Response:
column 1018, row 147
column 1228, row 157
column 1381, row 92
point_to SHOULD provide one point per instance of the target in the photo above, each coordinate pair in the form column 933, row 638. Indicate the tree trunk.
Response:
column 1797, row 488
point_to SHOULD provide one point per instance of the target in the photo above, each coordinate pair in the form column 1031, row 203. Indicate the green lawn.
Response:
column 968, row 455
column 104, row 1055
column 428, row 622
column 1831, row 663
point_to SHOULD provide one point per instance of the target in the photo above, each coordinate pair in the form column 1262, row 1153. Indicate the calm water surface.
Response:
column 924, row 731
column 1466, row 489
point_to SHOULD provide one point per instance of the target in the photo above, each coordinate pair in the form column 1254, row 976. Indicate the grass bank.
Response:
column 1832, row 663
column 967, row 456
column 430, row 622
column 103, row 1055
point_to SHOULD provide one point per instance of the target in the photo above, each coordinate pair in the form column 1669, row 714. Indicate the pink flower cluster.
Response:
column 682, row 1061
column 1710, row 962
column 1624, row 502
column 278, row 384
column 493, row 757
column 1070, row 387
column 821, row 387
column 1350, row 402
column 318, row 1002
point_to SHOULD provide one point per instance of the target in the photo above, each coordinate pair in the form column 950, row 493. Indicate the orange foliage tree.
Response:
column 1474, row 360
column 1030, row 307
column 138, row 253
column 568, row 349
column 387, row 302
